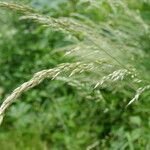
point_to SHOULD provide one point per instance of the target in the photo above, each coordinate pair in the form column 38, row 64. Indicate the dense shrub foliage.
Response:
column 92, row 57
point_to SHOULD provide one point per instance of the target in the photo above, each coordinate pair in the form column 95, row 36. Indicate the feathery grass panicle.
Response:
column 57, row 24
column 113, row 77
column 75, row 68
column 112, row 45
column 17, row 7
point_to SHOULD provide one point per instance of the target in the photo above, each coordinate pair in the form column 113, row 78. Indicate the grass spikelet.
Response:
column 138, row 93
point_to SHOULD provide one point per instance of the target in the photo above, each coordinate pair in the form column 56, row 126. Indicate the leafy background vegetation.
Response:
column 74, row 115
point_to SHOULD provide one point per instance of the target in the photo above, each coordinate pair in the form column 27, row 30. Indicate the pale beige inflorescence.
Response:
column 13, row 6
column 74, row 68
column 103, row 43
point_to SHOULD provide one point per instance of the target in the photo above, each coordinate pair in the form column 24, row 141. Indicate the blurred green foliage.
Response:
column 54, row 115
